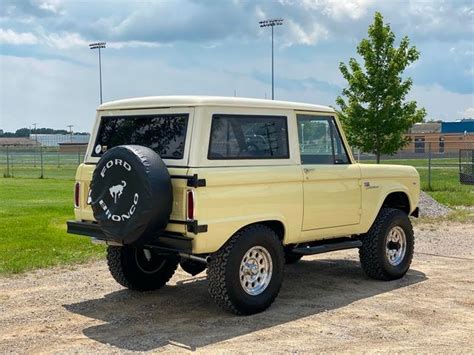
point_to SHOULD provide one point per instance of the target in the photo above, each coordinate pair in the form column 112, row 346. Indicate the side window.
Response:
column 320, row 141
column 248, row 137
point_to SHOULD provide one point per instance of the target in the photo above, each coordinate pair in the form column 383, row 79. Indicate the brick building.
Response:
column 440, row 137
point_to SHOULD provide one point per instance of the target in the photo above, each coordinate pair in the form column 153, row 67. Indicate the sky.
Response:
column 49, row 76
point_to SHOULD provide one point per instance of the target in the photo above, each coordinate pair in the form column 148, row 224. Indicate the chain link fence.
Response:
column 439, row 163
column 40, row 162
column 466, row 166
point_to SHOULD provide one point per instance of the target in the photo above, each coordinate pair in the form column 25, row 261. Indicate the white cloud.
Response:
column 133, row 44
column 64, row 40
column 338, row 9
column 53, row 6
column 9, row 36
column 440, row 103
column 468, row 113
column 309, row 36
column 50, row 92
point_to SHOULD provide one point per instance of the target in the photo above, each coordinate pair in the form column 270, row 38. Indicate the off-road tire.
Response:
column 223, row 271
column 372, row 253
column 123, row 266
column 291, row 258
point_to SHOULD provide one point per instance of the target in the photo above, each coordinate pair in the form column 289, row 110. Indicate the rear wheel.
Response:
column 387, row 249
column 140, row 269
column 246, row 274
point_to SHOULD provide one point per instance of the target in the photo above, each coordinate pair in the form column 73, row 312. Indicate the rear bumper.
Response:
column 166, row 240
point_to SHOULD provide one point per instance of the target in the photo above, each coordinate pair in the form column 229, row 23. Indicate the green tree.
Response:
column 374, row 110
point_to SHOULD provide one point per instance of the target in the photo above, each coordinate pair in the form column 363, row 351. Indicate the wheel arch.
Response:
column 398, row 200
column 396, row 197
column 276, row 225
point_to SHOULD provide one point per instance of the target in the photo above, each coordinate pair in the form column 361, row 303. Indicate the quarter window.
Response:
column 320, row 141
column 248, row 137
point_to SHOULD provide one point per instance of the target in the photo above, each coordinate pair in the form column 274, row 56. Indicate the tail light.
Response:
column 190, row 204
column 77, row 194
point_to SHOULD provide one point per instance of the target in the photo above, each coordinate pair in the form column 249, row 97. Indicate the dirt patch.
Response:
column 326, row 304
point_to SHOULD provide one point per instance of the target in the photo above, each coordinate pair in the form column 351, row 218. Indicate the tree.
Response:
column 374, row 111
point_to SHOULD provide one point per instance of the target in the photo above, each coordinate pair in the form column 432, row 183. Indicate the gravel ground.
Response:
column 326, row 305
column 429, row 207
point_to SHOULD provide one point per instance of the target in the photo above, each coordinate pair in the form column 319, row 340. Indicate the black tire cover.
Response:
column 131, row 194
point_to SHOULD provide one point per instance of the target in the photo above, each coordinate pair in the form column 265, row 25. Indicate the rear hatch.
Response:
column 166, row 131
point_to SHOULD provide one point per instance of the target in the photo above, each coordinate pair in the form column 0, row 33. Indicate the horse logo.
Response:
column 117, row 190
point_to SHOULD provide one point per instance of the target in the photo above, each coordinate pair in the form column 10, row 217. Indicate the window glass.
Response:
column 419, row 144
column 165, row 134
column 248, row 137
column 320, row 141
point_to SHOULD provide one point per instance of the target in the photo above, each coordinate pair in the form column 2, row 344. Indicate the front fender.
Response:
column 372, row 200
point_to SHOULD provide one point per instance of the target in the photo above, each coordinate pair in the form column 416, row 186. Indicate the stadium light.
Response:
column 271, row 23
column 99, row 45
column 70, row 130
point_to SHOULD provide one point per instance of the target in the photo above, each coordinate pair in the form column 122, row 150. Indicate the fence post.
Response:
column 8, row 164
column 58, row 158
column 41, row 160
column 429, row 166
column 11, row 163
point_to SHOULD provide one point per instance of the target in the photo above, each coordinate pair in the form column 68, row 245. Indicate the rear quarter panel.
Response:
column 240, row 196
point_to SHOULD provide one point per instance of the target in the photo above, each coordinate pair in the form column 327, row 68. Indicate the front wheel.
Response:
column 387, row 249
column 246, row 274
column 140, row 269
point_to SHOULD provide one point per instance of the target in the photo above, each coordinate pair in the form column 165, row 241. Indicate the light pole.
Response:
column 70, row 130
column 98, row 46
column 272, row 23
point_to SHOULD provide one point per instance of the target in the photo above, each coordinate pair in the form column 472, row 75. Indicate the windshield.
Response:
column 164, row 133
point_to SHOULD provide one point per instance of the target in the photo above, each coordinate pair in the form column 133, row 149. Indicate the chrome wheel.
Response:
column 255, row 270
column 396, row 245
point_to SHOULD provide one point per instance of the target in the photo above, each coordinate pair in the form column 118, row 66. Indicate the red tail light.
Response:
column 190, row 204
column 77, row 194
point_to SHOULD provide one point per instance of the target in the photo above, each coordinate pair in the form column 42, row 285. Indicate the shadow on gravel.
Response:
column 185, row 316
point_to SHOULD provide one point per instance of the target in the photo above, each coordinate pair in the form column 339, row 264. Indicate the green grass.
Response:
column 445, row 186
column 27, row 164
column 33, row 215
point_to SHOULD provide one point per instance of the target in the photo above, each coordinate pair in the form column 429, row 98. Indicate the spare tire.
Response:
column 131, row 194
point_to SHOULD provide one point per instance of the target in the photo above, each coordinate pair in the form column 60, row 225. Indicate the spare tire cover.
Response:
column 131, row 194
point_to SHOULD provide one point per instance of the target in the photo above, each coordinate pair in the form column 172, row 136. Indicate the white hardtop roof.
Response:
column 189, row 101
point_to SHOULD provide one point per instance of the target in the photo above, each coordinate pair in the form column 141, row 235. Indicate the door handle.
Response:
column 307, row 170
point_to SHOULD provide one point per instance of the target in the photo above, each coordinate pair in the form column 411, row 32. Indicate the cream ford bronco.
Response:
column 239, row 187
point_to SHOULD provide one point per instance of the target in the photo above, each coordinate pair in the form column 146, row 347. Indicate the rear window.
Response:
column 248, row 137
column 165, row 134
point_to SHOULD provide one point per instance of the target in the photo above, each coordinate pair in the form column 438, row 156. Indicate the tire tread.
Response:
column 368, row 253
column 216, row 271
column 126, row 279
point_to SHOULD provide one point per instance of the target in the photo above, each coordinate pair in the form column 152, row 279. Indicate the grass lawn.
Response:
column 33, row 214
